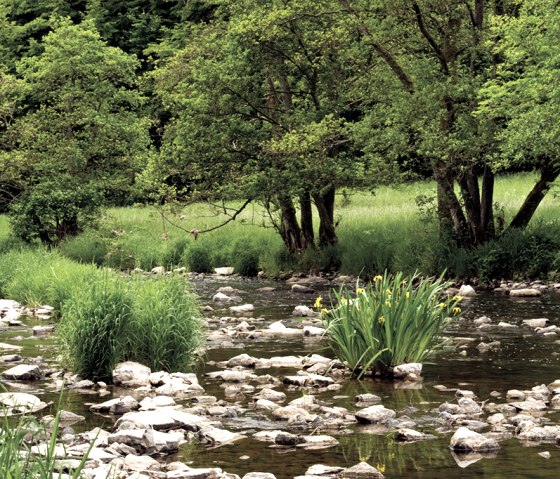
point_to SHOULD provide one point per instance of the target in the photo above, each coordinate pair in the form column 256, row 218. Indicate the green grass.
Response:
column 377, row 231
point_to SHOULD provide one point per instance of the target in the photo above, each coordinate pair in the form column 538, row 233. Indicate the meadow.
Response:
column 381, row 230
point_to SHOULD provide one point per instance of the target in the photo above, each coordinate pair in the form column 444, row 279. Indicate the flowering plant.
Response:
column 393, row 320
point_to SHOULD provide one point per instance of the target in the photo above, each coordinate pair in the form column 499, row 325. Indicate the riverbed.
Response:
column 523, row 359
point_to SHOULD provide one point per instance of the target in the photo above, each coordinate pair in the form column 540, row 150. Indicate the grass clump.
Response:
column 92, row 331
column 394, row 320
column 164, row 329
column 153, row 321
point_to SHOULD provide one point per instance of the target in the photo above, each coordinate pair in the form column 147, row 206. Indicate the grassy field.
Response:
column 377, row 231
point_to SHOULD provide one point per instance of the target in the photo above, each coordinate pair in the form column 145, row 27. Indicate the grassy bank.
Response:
column 384, row 230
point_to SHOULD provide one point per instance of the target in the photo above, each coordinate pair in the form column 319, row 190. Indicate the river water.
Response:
column 524, row 360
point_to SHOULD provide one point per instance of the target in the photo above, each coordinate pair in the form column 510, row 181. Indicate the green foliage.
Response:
column 54, row 209
column 164, row 330
column 198, row 259
column 87, row 247
column 94, row 322
column 394, row 320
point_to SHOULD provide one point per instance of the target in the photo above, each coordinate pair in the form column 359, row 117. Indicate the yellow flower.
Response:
column 381, row 319
column 407, row 294
column 380, row 467
column 343, row 300
column 360, row 290
column 388, row 291
column 457, row 298
column 456, row 310
column 441, row 305
column 388, row 303
column 318, row 302
column 378, row 278
column 324, row 311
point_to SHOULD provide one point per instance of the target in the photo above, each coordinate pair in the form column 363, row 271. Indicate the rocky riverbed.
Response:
column 270, row 400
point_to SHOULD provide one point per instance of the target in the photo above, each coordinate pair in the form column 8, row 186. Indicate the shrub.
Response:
column 93, row 326
column 54, row 209
column 88, row 247
column 165, row 329
column 390, row 322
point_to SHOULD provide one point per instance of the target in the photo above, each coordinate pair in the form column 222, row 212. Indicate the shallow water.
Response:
column 523, row 361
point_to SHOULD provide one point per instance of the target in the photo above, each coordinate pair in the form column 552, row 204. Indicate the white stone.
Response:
column 23, row 372
column 525, row 292
column 465, row 440
column 17, row 403
column 131, row 374
column 225, row 271
column 244, row 308
column 466, row 291
column 536, row 323
column 374, row 414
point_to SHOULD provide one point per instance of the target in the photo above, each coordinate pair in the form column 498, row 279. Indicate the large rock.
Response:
column 244, row 308
column 361, row 471
column 535, row 323
column 20, row 403
column 301, row 288
column 23, row 372
column 225, row 271
column 409, row 371
column 531, row 405
column 243, row 360
column 162, row 420
column 131, row 374
column 466, row 291
column 465, row 440
column 374, row 414
column 304, row 311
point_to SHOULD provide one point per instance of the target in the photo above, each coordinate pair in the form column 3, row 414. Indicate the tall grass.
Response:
column 17, row 461
column 154, row 321
column 164, row 330
column 92, row 331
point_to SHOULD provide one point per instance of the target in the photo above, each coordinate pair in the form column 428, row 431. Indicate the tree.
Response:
column 81, row 125
column 258, row 111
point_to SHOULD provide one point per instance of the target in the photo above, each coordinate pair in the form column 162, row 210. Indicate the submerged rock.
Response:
column 361, row 471
column 374, row 414
column 20, row 403
column 525, row 292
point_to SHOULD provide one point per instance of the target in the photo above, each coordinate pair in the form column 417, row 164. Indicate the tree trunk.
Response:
column 549, row 173
column 325, row 207
column 487, row 204
column 307, row 234
column 450, row 214
column 289, row 227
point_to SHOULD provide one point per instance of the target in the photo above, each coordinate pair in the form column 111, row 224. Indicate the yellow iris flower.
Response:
column 318, row 302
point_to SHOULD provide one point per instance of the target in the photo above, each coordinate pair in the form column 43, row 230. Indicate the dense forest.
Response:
column 279, row 102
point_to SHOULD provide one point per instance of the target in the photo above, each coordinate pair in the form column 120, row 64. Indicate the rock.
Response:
column 266, row 405
column 310, row 331
column 322, row 470
column 243, row 360
column 466, row 291
column 536, row 323
column 504, row 325
column 221, row 298
column 304, row 311
column 528, row 431
column 162, row 420
column 465, row 440
column 279, row 328
column 20, row 403
column 287, row 439
column 117, row 406
column 218, row 437
column 300, row 288
column 23, row 372
column 482, row 320
column 226, row 271
column 410, row 435
column 140, row 463
column 271, row 395
column 233, row 376
column 515, row 395
column 292, row 414
column 374, row 414
column 361, row 471
column 10, row 347
column 244, row 308
column 318, row 441
column 469, row 407
column 409, row 371
column 158, row 270
column 545, row 454
column 259, row 475
column 367, row 398
column 131, row 374
column 141, row 440
column 531, row 405
column 525, row 292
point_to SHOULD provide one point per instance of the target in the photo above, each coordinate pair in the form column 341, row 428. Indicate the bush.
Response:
column 390, row 322
column 88, row 247
column 54, row 209
column 164, row 330
column 92, row 331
